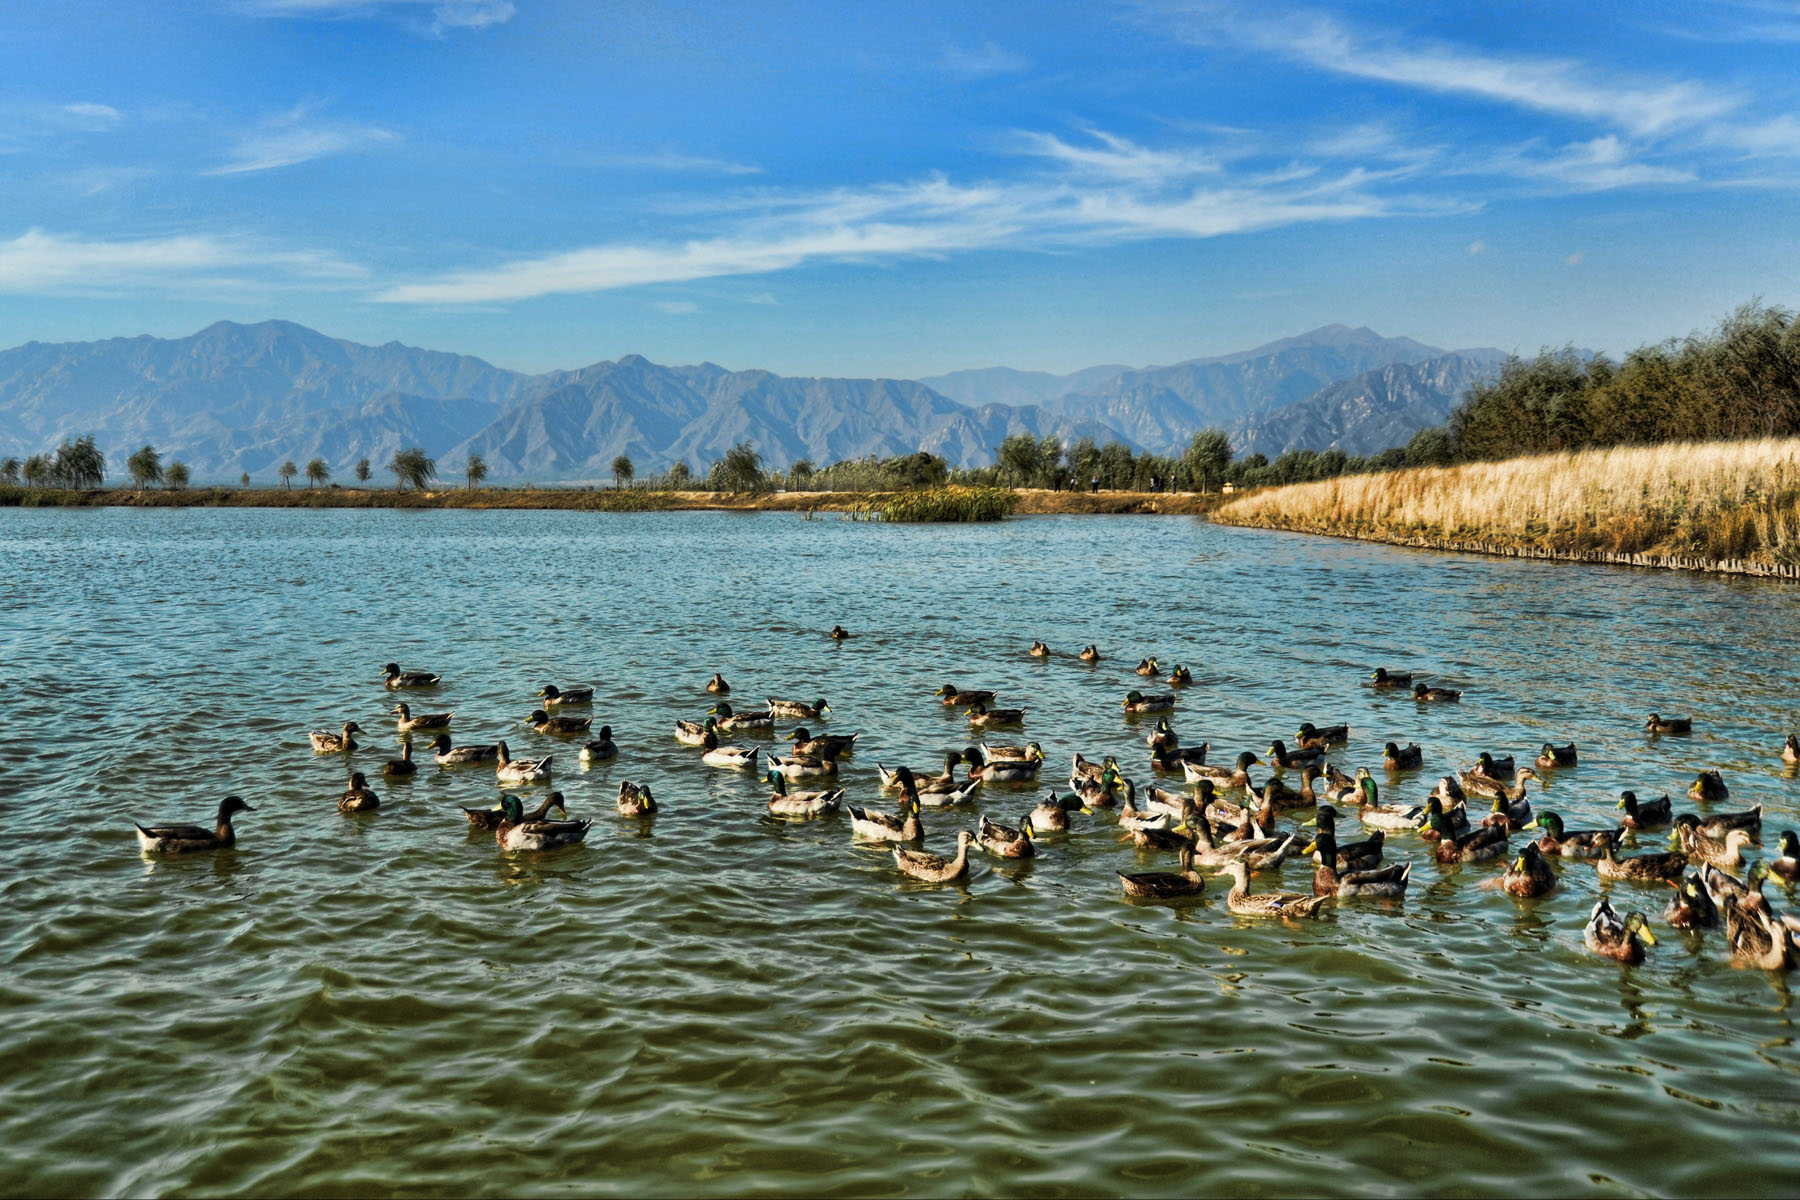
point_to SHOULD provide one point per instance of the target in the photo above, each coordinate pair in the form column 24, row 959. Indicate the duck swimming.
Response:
column 509, row 770
column 1621, row 940
column 1089, row 654
column 423, row 723
column 799, row 708
column 1317, row 737
column 838, row 633
column 1136, row 702
column 543, row 722
column 403, row 767
column 1289, row 905
column 934, row 868
column 884, row 827
column 720, row 755
column 1530, row 874
column 825, row 745
column 1574, row 843
column 635, row 800
column 1382, row 679
column 326, row 742
column 733, row 722
column 958, row 699
column 601, row 748
column 358, row 797
column 186, row 839
column 461, row 756
column 1434, row 694
column 784, row 803
column 1709, row 788
column 515, row 833
column 718, row 686
column 991, row 718
column 488, row 819
column 394, row 678
column 555, row 697
column 1039, row 650
column 1402, row 758
column 1147, row 667
column 1166, row 885
column 1557, row 756
column 1659, row 724
column 1003, row 841
column 1644, row 814
column 1005, row 770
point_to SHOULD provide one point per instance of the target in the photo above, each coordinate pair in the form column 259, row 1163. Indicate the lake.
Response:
column 717, row 1002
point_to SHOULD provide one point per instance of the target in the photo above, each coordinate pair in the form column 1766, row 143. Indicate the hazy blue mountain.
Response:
column 1007, row 385
column 1377, row 409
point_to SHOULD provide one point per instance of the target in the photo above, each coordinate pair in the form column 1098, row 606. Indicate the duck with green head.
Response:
column 1557, row 756
column 1691, row 907
column 824, row 745
column 1785, row 866
column 1621, row 940
column 1005, row 770
column 1319, row 737
column 636, row 800
column 798, row 708
column 1477, row 845
column 488, row 819
column 1573, row 843
column 784, row 803
column 1003, row 841
column 1383, row 678
column 515, row 833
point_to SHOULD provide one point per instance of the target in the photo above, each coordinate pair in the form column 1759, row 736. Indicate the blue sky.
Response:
column 895, row 189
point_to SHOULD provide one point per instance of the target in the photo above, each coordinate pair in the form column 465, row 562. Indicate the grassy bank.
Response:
column 1720, row 506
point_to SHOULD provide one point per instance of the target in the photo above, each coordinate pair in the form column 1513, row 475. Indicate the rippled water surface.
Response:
column 718, row 1002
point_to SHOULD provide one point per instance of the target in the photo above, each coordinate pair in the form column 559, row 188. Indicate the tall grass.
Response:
column 1722, row 502
column 944, row 504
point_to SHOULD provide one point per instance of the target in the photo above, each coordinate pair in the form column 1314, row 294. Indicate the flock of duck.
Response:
column 1220, row 819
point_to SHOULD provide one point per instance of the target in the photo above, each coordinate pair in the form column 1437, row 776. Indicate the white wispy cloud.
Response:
column 94, row 116
column 1113, row 157
column 979, row 62
column 296, row 136
column 39, row 262
column 431, row 16
column 1599, row 165
column 669, row 160
column 676, row 308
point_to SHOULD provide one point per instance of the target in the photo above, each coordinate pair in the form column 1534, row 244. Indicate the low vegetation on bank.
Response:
column 1721, row 505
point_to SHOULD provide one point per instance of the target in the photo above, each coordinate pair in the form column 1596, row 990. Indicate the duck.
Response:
column 1701, row 849
column 1289, row 905
column 1039, row 650
column 839, row 633
column 1180, row 677
column 1660, row 724
column 890, row 776
column 1163, row 735
column 1434, row 695
column 797, row 766
column 1719, row 824
column 359, row 796
column 1175, row 804
column 515, row 833
column 935, row 868
column 1556, row 756
column 1136, row 702
column 1691, row 907
column 601, row 749
column 1052, row 812
column 717, row 754
column 1329, row 880
column 1029, row 752
column 403, row 767
column 959, row 699
column 1133, row 818
column 1259, row 852
column 458, row 756
column 1529, row 875
column 394, row 678
column 1279, row 797
column 1449, row 791
column 488, row 819
column 1573, row 843
column 694, row 733
column 186, row 839
column 1009, row 770
column 875, row 826
column 1512, row 814
column 423, row 723
column 1148, row 668
column 1087, row 768
column 990, row 718
column 1709, row 788
column 1369, row 809
column 1790, row 749
column 938, row 795
column 1235, row 776
column 1168, row 757
column 800, row 804
column 1785, row 866
column 1318, row 737
column 717, row 685
column 797, row 708
column 1095, row 793
column 1355, row 856
column 326, row 742
column 1644, row 814
column 555, row 697
column 1483, row 785
column 1759, row 939
column 1494, row 768
column 825, row 745
column 1623, row 940
column 1166, row 885
column 1089, row 654
column 1477, row 845
column 1003, row 841
column 1383, row 678
column 520, row 770
column 635, row 800
column 1281, row 758
column 733, row 722
column 543, row 722
column 1667, row 865
column 1455, row 818
column 1727, row 891
column 1402, row 758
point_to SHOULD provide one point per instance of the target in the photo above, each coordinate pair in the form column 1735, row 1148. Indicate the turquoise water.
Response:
column 717, row 1002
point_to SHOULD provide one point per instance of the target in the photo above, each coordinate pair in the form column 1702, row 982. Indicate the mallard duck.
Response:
column 1402, row 758
column 1513, row 814
column 1573, row 843
column 1087, row 768
column 1477, row 845
column 1659, row 724
column 718, row 754
column 1008, row 770
column 1329, row 880
column 1279, row 796
column 555, row 697
column 1235, row 776
column 1136, row 702
column 1669, row 865
column 1266, row 904
column 1369, row 809
column 1785, row 866
column 403, row 767
column 601, row 748
column 936, row 795
column 1166, row 885
column 798, row 766
column 461, row 756
column 1095, row 793
column 800, row 804
column 1699, row 848
column 1039, row 650
column 943, row 781
column 887, row 827
column 796, row 708
column 935, row 868
column 1175, row 804
column 825, row 745
column 1172, row 758
column 543, row 722
column 730, row 721
column 1318, row 737
column 890, row 776
column 423, row 723
column 1383, row 679
column 1530, row 874
column 1691, row 907
column 838, row 633
column 717, row 685
column 520, row 770
column 489, row 818
column 1622, row 940
column 1163, row 735
column 1147, row 667
column 1493, row 768
column 1260, row 853
column 515, row 833
column 953, row 698
column 635, row 800
column 1759, row 939
column 1449, row 791
column 185, row 839
column 1719, row 824
column 1644, row 814
column 1434, row 695
column 1790, row 749
column 395, row 678
column 359, row 796
column 326, row 742
column 1728, row 891
column 1709, row 788
column 1029, row 752
column 1180, row 677
column 1281, row 758
column 1090, row 653
column 1455, row 816
column 1352, row 856
column 1556, row 756
column 992, row 718
column 1003, row 841
column 1052, row 812
column 1132, row 818
column 694, row 733
column 1483, row 785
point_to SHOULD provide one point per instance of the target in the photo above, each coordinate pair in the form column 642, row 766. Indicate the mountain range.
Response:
column 245, row 398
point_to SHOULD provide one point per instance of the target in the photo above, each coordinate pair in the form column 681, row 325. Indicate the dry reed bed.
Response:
column 1729, row 506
